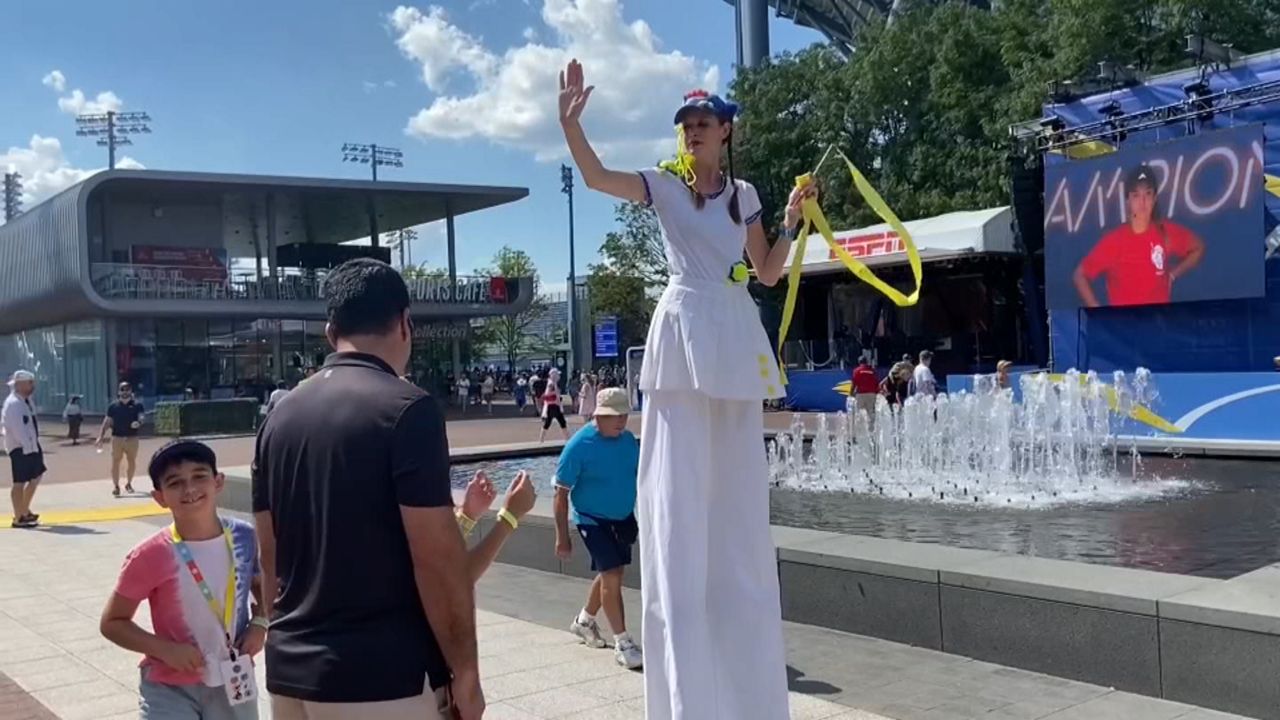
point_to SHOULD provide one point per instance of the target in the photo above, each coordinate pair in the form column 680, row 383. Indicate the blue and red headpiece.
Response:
column 724, row 110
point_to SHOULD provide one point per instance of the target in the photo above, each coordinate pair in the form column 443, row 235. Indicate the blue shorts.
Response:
column 609, row 542
column 189, row 702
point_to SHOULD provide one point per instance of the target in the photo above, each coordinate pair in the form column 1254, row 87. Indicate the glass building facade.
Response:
column 214, row 359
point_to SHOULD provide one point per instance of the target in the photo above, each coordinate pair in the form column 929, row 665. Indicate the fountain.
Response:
column 1056, row 446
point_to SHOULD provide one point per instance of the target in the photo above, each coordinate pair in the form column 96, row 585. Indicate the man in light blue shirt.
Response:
column 597, row 476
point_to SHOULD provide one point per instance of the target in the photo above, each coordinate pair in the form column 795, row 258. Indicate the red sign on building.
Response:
column 869, row 245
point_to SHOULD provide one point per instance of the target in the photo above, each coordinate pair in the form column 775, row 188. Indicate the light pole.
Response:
column 113, row 129
column 373, row 156
column 566, row 179
column 12, row 195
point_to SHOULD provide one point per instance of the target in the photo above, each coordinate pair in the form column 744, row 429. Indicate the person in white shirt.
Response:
column 277, row 395
column 922, row 379
column 464, row 391
column 73, row 416
column 487, row 388
column 712, row 623
column 22, row 443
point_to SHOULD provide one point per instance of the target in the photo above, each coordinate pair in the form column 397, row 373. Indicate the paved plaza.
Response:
column 54, row 664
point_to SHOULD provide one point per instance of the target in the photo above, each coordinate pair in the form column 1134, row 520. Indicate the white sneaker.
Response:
column 628, row 655
column 589, row 633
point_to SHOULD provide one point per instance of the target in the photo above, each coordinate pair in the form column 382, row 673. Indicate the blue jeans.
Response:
column 189, row 702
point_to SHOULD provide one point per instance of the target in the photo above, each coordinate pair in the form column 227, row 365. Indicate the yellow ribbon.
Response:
column 813, row 217
column 682, row 165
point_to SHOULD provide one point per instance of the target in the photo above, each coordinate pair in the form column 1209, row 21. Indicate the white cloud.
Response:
column 45, row 169
column 77, row 104
column 388, row 83
column 55, row 80
column 370, row 87
column 512, row 99
column 530, row 34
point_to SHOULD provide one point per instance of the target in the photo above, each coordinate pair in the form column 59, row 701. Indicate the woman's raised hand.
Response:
column 573, row 94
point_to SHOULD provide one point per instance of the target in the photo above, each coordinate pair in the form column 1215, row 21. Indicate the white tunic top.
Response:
column 706, row 334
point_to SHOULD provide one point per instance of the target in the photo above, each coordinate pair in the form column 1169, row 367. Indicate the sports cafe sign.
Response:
column 467, row 290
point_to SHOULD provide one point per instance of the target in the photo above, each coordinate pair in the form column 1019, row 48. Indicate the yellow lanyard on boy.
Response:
column 226, row 613
column 815, row 219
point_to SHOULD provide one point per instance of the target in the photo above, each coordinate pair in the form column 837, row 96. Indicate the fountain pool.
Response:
column 1041, row 476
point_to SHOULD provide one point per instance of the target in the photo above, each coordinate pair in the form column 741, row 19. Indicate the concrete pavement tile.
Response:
column 614, row 688
column 556, row 703
column 623, row 710
column 37, row 650
column 807, row 707
column 857, row 715
column 503, row 711
column 52, row 673
column 1202, row 714
column 95, row 709
column 506, row 687
column 79, row 693
column 82, row 628
column 88, row 645
column 502, row 664
column 1121, row 706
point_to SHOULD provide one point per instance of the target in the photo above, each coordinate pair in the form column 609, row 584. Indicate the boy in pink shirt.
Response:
column 197, row 575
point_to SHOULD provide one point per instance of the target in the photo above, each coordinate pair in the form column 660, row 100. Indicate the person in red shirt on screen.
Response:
column 1134, row 259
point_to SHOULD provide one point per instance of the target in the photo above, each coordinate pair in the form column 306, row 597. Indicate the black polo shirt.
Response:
column 123, row 415
column 333, row 466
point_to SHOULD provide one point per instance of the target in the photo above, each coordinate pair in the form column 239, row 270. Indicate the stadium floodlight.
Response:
column 12, row 195
column 112, row 129
column 373, row 156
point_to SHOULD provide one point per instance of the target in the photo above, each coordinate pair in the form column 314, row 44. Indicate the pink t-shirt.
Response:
column 155, row 572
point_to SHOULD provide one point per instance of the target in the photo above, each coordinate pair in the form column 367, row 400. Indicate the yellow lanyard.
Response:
column 815, row 219
column 226, row 613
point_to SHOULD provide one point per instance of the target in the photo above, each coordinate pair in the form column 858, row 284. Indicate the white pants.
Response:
column 712, row 617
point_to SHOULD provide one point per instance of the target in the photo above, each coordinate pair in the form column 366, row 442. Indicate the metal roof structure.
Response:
column 841, row 20
column 48, row 254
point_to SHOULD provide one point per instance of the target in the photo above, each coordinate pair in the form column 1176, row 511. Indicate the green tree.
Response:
column 633, row 271
column 513, row 336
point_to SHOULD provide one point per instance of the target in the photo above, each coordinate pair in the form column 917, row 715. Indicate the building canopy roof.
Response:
column 333, row 209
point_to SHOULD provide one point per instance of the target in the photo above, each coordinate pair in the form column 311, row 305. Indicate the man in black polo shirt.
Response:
column 124, row 420
column 355, row 520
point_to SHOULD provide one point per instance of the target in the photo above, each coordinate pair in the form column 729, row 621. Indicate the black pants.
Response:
column 553, row 412
column 73, row 425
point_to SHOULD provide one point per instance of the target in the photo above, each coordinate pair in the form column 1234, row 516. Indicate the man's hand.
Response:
column 520, row 496
column 254, row 640
column 468, row 698
column 479, row 496
column 564, row 547
column 183, row 658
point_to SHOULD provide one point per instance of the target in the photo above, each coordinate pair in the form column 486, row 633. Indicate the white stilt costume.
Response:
column 712, row 618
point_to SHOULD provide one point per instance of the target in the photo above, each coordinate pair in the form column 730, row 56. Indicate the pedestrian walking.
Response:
column 22, row 443
column 551, row 408
column 865, row 388
column 464, row 391
column 596, row 476
column 487, row 389
column 73, row 416
column 282, row 389
column 357, row 462
column 124, row 420
column 521, row 393
column 587, row 398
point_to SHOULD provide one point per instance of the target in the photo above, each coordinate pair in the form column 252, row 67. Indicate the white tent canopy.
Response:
column 946, row 236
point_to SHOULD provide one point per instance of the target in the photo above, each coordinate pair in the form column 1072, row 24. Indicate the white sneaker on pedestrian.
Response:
column 628, row 654
column 589, row 633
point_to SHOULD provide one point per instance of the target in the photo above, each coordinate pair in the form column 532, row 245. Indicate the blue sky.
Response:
column 464, row 87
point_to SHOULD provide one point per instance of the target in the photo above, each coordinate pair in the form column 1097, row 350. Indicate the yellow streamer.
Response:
column 814, row 217
column 1137, row 412
column 682, row 165
column 1273, row 185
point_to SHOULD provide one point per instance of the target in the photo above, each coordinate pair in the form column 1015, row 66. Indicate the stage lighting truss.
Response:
column 1051, row 134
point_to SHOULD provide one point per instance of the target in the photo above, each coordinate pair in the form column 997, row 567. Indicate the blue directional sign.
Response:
column 607, row 336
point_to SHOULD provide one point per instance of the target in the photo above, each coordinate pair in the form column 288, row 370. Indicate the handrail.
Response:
column 187, row 282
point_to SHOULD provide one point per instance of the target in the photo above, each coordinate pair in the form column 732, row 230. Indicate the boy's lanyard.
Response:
column 226, row 614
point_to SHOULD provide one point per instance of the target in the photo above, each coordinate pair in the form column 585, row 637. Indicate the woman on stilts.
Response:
column 712, row 619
